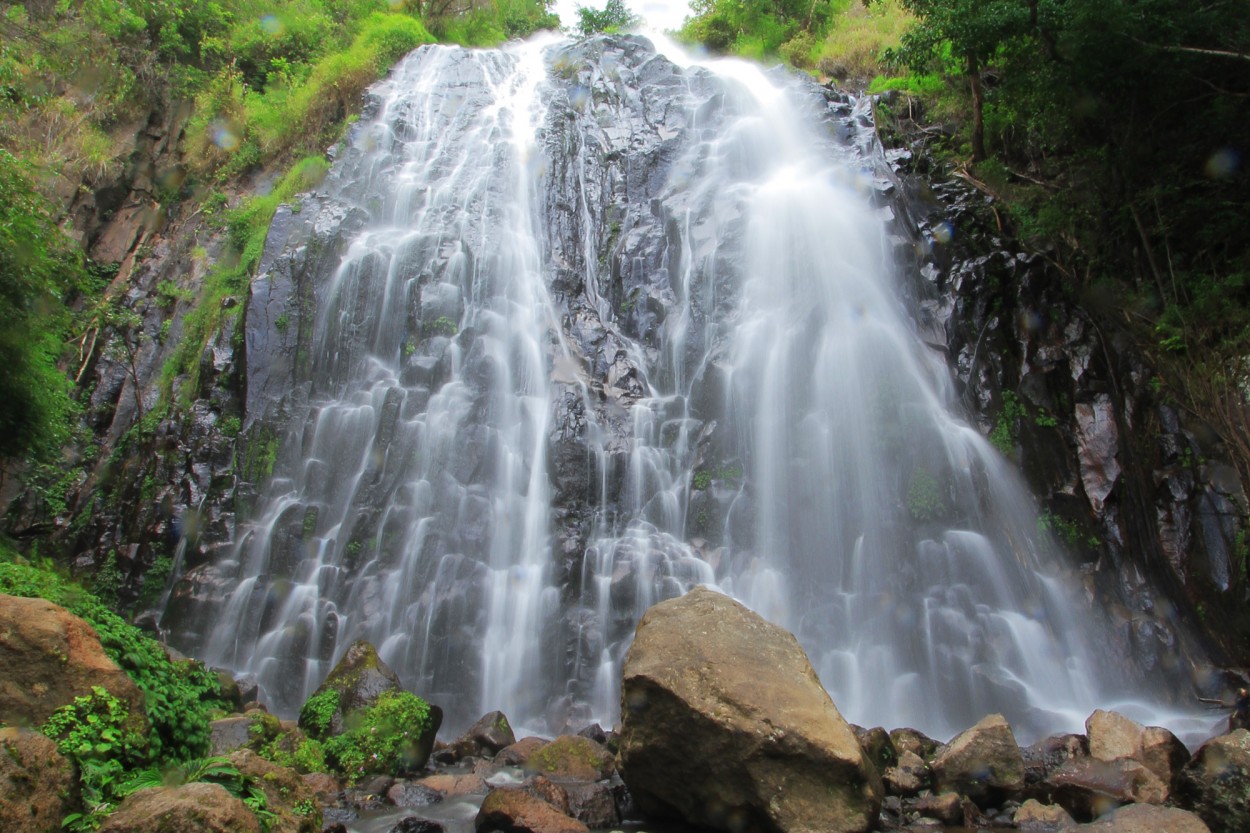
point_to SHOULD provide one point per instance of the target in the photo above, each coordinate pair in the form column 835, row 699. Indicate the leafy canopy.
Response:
column 613, row 17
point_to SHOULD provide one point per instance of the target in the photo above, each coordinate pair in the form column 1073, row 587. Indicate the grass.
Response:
column 855, row 46
column 248, row 227
column 238, row 128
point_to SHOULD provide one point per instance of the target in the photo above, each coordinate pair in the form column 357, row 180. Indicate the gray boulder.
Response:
column 491, row 733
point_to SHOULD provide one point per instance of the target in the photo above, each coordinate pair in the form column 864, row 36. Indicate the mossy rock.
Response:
column 192, row 808
column 355, row 683
column 287, row 795
column 574, row 758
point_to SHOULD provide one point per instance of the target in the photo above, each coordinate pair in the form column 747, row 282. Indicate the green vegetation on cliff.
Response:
column 77, row 80
column 39, row 266
column 839, row 38
column 96, row 731
column 1116, row 133
column 246, row 88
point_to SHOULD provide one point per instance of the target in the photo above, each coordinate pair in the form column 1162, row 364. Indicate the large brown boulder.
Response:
column 49, row 656
column 1146, row 818
column 724, row 724
column 1216, row 783
column 983, row 762
column 516, row 811
column 36, row 782
column 1035, row 817
column 192, row 808
column 1113, row 736
column 1087, row 788
column 517, row 753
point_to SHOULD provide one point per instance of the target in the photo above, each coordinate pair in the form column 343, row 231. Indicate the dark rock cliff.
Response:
column 1139, row 490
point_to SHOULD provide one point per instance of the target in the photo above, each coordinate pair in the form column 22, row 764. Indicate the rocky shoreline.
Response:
column 725, row 726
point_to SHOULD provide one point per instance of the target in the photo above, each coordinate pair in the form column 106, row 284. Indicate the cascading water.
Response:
column 579, row 326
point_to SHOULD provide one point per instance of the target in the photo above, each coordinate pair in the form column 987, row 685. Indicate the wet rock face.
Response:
column 617, row 121
column 722, row 713
column 1119, row 471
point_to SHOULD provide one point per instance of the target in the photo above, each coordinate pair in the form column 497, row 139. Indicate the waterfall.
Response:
column 573, row 327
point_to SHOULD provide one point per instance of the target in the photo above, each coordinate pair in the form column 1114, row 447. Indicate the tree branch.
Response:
column 1195, row 50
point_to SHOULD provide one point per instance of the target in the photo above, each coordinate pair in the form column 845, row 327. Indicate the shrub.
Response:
column 178, row 695
column 382, row 738
column 317, row 713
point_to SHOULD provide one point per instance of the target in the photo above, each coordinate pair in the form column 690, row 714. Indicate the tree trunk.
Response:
column 978, row 100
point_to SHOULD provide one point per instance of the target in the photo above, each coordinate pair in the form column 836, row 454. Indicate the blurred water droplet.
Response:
column 1223, row 163
column 225, row 136
column 271, row 26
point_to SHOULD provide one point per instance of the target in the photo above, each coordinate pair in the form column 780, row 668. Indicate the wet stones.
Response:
column 1216, row 783
column 516, row 811
column 487, row 736
column 980, row 778
column 1088, row 788
column 981, row 762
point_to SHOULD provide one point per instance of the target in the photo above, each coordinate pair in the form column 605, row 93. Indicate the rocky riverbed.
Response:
column 724, row 727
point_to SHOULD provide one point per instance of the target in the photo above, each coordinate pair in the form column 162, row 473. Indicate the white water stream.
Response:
column 780, row 432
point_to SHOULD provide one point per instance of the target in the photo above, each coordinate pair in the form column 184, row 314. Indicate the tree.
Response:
column 613, row 17
column 967, row 33
column 38, row 264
